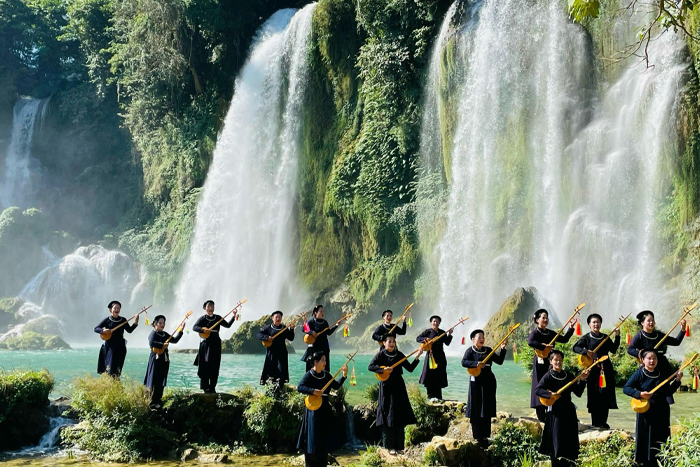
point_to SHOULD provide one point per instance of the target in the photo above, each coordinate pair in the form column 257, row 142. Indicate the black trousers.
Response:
column 481, row 427
column 434, row 391
column 393, row 437
column 208, row 384
column 600, row 417
column 316, row 460
column 157, row 394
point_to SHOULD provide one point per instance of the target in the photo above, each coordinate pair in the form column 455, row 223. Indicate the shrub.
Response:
column 430, row 457
column 615, row 451
column 370, row 458
column 24, row 396
column 683, row 449
column 513, row 443
column 118, row 426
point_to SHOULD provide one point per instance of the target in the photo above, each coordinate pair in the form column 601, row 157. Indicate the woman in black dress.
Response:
column 600, row 399
column 319, row 435
column 435, row 380
column 113, row 350
column 539, row 339
column 649, row 336
column 394, row 410
column 208, row 360
column 382, row 331
column 316, row 325
column 560, row 434
column 653, row 426
column 158, row 364
column 276, row 367
column 481, row 405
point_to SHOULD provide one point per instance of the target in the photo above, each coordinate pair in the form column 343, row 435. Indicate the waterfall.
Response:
column 20, row 168
column 77, row 288
column 553, row 183
column 243, row 245
column 49, row 442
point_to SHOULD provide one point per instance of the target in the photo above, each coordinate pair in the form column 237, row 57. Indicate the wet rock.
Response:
column 518, row 308
column 447, row 449
column 213, row 458
column 189, row 455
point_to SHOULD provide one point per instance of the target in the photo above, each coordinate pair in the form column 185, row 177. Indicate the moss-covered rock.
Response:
column 9, row 308
column 24, row 396
column 518, row 308
column 245, row 339
column 30, row 340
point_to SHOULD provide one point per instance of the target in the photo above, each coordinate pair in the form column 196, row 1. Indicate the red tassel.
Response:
column 629, row 339
column 464, row 340
column 307, row 329
column 578, row 328
column 687, row 331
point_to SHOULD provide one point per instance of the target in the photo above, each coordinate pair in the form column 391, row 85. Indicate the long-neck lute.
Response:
column 427, row 345
column 207, row 331
column 178, row 328
column 642, row 405
column 545, row 353
column 312, row 401
column 686, row 312
column 550, row 401
column 477, row 371
column 585, row 360
column 268, row 343
column 309, row 339
column 106, row 334
column 384, row 375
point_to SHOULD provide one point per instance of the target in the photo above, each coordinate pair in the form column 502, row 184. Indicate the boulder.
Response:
column 213, row 459
column 518, row 308
column 533, row 425
column 460, row 429
column 594, row 436
column 245, row 339
column 453, row 452
column 46, row 325
column 189, row 455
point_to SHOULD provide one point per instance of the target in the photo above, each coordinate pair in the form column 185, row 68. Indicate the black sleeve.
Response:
column 563, row 339
column 632, row 386
column 613, row 344
column 635, row 346
column 332, row 329
column 263, row 333
column 533, row 343
column 176, row 337
column 410, row 366
column 101, row 326
column 675, row 341
column 374, row 365
column 578, row 387
column 468, row 360
column 304, row 387
column 378, row 335
column 401, row 331
column 337, row 384
column 289, row 334
column 499, row 357
column 154, row 342
column 197, row 327
column 448, row 339
column 423, row 336
column 580, row 347
column 541, row 389
column 130, row 327
column 227, row 324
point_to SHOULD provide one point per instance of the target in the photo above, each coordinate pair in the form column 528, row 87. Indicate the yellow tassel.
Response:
column 432, row 364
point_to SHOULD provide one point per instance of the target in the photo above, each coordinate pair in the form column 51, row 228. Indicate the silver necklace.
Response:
column 552, row 372
column 656, row 336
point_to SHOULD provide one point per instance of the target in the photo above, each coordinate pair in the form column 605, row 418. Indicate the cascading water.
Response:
column 16, row 188
column 550, row 186
column 77, row 288
column 244, row 238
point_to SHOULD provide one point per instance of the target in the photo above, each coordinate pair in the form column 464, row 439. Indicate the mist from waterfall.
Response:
column 244, row 239
column 20, row 168
column 556, row 180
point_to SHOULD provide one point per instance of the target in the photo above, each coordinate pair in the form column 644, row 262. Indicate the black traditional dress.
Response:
column 158, row 365
column 644, row 341
column 435, row 380
column 560, row 435
column 208, row 360
column 320, row 344
column 481, row 405
column 600, row 400
column 538, row 340
column 394, row 410
column 653, row 426
column 276, row 365
column 319, row 434
column 113, row 351
column 382, row 332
